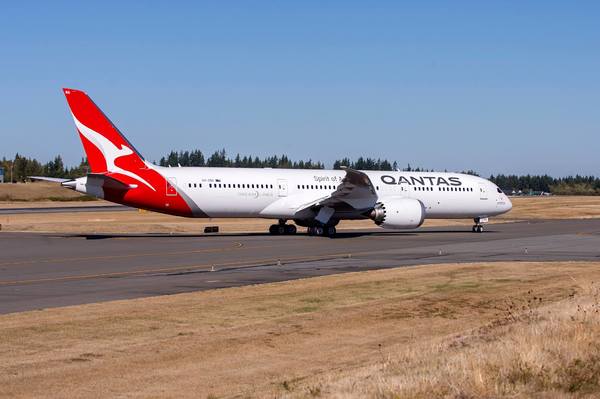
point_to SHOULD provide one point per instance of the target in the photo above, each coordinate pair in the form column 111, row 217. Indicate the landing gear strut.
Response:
column 282, row 228
column 478, row 226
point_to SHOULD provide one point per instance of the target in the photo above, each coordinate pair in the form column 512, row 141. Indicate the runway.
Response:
column 48, row 270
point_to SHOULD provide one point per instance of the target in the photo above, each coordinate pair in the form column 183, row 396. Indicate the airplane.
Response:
column 315, row 199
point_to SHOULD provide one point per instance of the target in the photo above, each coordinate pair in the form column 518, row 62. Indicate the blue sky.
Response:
column 498, row 87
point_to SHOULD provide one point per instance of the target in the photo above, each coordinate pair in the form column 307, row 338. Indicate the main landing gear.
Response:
column 282, row 228
column 478, row 226
column 327, row 231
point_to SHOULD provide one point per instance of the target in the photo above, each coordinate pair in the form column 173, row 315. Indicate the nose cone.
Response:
column 508, row 205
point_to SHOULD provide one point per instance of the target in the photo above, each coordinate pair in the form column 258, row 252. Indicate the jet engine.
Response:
column 398, row 213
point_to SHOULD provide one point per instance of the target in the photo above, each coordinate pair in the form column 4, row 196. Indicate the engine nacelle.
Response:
column 399, row 213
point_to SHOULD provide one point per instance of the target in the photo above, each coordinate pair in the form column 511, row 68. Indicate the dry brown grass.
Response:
column 376, row 334
column 550, row 351
column 150, row 222
column 39, row 191
column 555, row 207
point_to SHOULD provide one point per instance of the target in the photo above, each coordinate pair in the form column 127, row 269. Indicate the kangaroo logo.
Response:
column 110, row 151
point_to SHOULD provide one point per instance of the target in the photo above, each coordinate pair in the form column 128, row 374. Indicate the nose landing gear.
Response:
column 478, row 227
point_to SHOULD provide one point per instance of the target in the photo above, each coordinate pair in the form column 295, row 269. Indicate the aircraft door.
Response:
column 282, row 187
column 171, row 187
column 482, row 192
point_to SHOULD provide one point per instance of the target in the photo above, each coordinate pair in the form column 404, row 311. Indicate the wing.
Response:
column 356, row 191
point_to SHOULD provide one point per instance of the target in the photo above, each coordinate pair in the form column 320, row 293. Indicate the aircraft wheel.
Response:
column 480, row 229
column 474, row 228
column 330, row 231
column 319, row 231
column 290, row 229
column 273, row 229
column 281, row 229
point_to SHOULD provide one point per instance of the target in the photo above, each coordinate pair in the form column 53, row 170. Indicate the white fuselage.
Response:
column 278, row 193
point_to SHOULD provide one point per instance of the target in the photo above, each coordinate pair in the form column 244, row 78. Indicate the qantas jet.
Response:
column 316, row 199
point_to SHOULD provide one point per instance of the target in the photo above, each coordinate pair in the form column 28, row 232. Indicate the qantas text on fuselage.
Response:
column 317, row 200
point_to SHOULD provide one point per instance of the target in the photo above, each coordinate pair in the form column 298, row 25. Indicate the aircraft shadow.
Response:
column 338, row 236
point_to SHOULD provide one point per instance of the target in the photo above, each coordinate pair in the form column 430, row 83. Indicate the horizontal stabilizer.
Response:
column 50, row 179
column 107, row 182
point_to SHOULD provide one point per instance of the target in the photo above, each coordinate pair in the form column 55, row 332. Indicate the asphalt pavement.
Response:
column 48, row 270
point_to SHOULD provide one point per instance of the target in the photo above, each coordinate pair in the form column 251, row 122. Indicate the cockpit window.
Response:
column 500, row 191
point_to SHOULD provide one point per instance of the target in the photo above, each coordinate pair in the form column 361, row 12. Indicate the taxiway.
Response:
column 49, row 270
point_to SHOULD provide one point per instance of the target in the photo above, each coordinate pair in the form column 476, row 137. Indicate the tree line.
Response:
column 22, row 166
column 220, row 159
column 570, row 185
